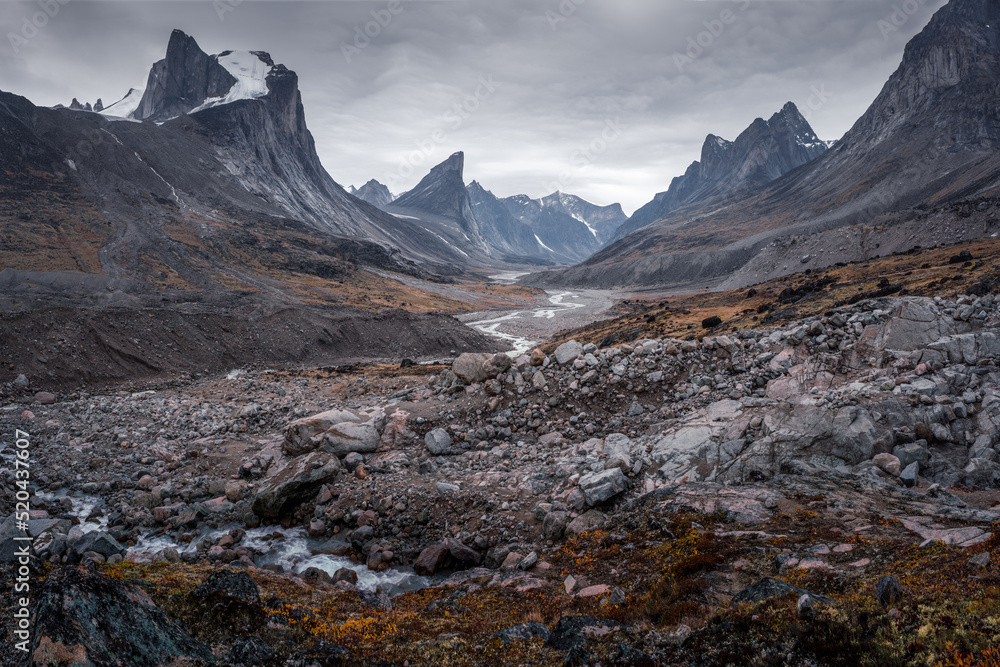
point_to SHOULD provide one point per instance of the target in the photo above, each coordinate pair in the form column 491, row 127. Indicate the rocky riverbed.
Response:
column 619, row 505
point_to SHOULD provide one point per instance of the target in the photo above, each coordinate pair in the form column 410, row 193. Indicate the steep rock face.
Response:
column 374, row 193
column 930, row 138
column 501, row 230
column 441, row 204
column 183, row 80
column 762, row 153
column 443, row 193
column 565, row 236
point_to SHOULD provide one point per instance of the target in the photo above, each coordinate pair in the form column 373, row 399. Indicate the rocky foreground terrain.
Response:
column 822, row 492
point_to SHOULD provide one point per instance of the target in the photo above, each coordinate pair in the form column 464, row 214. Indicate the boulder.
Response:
column 347, row 437
column 618, row 449
column 99, row 542
column 294, row 483
column 471, row 367
column 461, row 553
column 602, row 486
column 914, row 324
column 554, row 525
column 85, row 618
column 914, row 452
column 589, row 520
column 304, row 435
column 568, row 352
column 432, row 560
column 497, row 364
column 889, row 464
column 45, row 398
column 228, row 588
column 573, row 631
column 438, row 442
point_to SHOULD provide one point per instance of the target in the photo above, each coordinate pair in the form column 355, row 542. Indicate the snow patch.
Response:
column 542, row 244
column 251, row 79
column 125, row 107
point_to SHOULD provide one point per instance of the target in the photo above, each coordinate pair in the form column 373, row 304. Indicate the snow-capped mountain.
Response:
column 508, row 237
column 569, row 227
column 763, row 152
column 229, row 156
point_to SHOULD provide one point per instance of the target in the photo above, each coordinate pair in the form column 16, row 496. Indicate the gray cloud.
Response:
column 561, row 71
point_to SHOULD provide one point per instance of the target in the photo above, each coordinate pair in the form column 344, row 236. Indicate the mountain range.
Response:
column 557, row 229
column 929, row 140
column 224, row 190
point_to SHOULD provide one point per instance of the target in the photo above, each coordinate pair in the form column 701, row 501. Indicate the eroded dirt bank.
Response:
column 64, row 348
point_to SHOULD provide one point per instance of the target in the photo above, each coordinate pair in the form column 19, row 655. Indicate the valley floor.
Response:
column 818, row 488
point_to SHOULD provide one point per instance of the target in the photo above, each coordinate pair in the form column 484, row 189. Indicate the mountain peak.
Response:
column 183, row 80
column 456, row 162
column 947, row 78
column 374, row 193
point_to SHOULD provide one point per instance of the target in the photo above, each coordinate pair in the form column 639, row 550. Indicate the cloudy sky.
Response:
column 608, row 99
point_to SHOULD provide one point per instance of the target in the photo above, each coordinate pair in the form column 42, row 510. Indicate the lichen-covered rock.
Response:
column 573, row 631
column 85, row 618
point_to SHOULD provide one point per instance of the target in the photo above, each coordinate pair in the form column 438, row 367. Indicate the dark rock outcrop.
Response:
column 89, row 619
column 183, row 80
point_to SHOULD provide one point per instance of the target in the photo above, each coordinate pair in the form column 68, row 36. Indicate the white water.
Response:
column 82, row 507
column 560, row 303
column 294, row 550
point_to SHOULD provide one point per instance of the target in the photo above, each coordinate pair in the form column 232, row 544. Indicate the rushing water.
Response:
column 560, row 303
column 291, row 548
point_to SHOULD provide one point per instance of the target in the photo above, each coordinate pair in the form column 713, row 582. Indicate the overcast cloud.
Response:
column 607, row 99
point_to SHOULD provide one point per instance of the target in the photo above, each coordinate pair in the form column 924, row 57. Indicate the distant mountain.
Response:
column 930, row 138
column 762, row 153
column 568, row 226
column 224, row 191
column 509, row 238
column 440, row 204
column 374, row 193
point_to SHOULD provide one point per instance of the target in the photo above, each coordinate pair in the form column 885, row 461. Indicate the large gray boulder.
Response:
column 914, row 324
column 294, row 483
column 306, row 434
column 568, row 352
column 344, row 438
column 438, row 442
column 100, row 542
column 470, row 367
column 618, row 449
column 600, row 487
